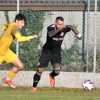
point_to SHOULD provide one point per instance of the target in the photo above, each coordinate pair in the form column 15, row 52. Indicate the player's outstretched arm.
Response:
column 22, row 38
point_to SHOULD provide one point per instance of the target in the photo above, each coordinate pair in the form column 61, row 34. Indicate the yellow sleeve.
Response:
column 22, row 38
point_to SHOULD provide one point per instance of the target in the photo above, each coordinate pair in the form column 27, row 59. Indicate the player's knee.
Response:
column 40, row 70
column 18, row 64
column 21, row 66
column 57, row 72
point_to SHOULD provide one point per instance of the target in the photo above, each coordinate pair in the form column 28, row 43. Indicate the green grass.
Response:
column 49, row 94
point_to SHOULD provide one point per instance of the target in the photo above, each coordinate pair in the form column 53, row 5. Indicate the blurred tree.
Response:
column 71, row 58
column 34, row 22
column 29, row 52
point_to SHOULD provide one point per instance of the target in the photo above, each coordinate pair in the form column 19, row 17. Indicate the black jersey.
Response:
column 55, row 37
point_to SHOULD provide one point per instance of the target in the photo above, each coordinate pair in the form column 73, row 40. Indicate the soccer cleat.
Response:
column 34, row 89
column 52, row 81
column 9, row 83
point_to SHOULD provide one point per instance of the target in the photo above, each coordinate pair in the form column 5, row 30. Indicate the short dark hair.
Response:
column 20, row 17
column 59, row 18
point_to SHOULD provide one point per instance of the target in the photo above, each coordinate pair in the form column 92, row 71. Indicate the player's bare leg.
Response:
column 12, row 73
column 54, row 73
column 52, row 81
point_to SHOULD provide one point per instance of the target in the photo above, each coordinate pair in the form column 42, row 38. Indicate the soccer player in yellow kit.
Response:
column 6, row 54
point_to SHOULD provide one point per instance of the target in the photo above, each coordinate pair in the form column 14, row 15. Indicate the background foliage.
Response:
column 29, row 52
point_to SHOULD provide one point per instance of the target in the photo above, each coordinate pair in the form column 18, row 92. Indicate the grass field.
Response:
column 48, row 94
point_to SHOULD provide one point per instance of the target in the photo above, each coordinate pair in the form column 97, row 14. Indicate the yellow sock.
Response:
column 11, row 75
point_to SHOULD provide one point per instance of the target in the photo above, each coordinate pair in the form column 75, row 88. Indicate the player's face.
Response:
column 20, row 23
column 59, row 24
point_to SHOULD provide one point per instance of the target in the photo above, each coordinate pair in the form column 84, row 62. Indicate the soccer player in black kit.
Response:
column 51, row 51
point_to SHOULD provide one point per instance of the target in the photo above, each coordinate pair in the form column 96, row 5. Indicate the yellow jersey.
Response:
column 8, row 36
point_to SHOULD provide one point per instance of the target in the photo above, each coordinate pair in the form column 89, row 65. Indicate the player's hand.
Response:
column 35, row 36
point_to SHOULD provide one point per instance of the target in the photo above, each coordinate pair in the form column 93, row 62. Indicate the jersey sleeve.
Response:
column 22, row 38
column 71, row 28
column 67, row 28
column 51, row 31
column 75, row 30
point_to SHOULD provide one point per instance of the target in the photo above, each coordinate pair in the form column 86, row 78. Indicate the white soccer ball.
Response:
column 88, row 85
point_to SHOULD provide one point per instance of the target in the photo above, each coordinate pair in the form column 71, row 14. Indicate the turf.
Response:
column 49, row 94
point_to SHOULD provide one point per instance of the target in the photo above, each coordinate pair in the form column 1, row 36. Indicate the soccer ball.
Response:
column 88, row 85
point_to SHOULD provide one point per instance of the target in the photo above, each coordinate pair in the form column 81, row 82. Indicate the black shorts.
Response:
column 52, row 56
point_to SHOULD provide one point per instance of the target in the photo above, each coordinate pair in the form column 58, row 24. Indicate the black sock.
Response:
column 36, row 78
column 53, row 74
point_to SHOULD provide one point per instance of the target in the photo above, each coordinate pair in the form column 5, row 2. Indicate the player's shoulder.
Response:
column 12, row 24
column 8, row 26
column 51, row 26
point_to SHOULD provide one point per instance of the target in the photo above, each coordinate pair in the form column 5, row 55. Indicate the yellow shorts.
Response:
column 9, row 57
